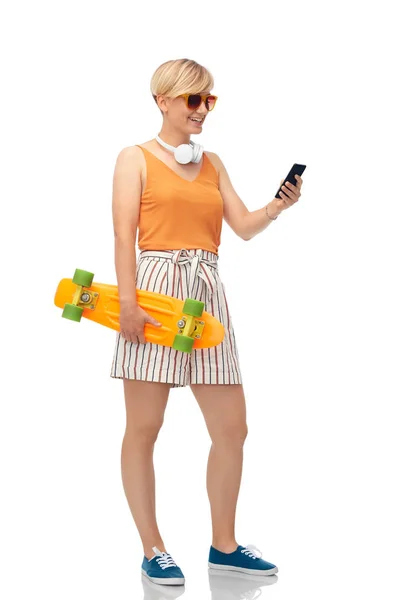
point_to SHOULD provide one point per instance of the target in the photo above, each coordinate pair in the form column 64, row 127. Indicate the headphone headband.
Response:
column 184, row 153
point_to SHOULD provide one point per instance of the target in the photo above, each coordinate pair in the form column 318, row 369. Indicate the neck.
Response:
column 172, row 137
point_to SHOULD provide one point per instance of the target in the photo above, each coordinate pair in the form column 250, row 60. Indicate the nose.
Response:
column 202, row 109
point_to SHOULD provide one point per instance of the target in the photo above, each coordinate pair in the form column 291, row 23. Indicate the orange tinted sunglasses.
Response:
column 193, row 101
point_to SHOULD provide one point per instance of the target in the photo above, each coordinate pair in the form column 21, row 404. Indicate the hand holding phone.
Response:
column 297, row 169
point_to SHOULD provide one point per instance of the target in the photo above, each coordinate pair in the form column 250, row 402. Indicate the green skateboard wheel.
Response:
column 183, row 343
column 193, row 308
column 84, row 278
column 72, row 312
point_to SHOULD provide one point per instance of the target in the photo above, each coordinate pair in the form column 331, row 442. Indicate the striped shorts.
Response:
column 181, row 274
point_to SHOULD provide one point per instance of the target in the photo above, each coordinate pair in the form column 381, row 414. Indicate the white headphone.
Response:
column 184, row 153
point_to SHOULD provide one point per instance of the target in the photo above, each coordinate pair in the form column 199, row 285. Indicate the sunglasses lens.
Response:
column 194, row 101
column 210, row 102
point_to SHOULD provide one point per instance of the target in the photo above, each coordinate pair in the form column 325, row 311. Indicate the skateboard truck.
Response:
column 85, row 298
column 188, row 325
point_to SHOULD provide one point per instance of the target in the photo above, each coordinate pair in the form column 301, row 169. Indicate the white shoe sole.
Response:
column 165, row 580
column 263, row 572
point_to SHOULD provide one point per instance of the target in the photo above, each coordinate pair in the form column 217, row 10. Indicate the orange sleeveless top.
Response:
column 176, row 213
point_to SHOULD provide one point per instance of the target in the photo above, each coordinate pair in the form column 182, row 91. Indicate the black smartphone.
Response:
column 290, row 177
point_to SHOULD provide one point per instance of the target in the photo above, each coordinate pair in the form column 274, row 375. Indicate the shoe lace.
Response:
column 164, row 559
column 249, row 551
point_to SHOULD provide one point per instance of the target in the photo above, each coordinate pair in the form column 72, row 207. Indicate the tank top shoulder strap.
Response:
column 145, row 152
column 151, row 158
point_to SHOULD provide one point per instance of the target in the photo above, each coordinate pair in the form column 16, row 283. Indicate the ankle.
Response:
column 149, row 552
column 225, row 546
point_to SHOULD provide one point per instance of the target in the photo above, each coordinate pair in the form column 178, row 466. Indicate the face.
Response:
column 181, row 116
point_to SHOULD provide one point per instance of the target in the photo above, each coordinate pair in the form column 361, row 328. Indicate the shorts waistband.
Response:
column 200, row 262
column 179, row 254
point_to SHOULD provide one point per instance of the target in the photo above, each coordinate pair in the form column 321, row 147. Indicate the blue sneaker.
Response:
column 161, row 568
column 242, row 559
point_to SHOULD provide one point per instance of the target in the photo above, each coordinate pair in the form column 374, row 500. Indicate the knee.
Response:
column 143, row 433
column 233, row 435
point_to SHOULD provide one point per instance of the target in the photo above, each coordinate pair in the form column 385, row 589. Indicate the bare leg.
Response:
column 145, row 406
column 224, row 410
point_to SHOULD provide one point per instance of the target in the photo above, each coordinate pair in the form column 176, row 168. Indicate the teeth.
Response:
column 193, row 119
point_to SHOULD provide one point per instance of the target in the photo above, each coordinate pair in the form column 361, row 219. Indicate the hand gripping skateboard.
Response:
column 184, row 324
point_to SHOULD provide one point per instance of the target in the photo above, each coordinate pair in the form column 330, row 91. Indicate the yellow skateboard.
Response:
column 185, row 324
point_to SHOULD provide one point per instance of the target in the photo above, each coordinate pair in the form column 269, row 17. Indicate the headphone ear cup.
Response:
column 197, row 152
column 183, row 154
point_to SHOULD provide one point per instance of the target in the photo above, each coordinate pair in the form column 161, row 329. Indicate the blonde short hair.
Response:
column 181, row 76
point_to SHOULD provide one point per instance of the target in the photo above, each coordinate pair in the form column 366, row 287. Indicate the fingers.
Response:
column 299, row 181
column 140, row 337
column 291, row 191
column 294, row 188
column 135, row 339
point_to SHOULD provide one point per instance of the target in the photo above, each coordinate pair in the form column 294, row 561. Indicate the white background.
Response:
column 317, row 329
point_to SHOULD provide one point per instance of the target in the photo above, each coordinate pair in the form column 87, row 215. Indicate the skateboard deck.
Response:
column 185, row 323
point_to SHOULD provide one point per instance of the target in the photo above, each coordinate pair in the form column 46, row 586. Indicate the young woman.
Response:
column 177, row 195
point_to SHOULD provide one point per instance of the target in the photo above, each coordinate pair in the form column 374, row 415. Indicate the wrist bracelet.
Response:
column 272, row 218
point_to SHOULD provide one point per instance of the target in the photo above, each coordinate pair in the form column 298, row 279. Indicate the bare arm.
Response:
column 125, row 211
column 244, row 223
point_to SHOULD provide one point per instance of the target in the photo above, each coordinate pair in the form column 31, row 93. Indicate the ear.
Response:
column 162, row 103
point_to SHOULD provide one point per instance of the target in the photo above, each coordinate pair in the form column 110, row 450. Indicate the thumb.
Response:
column 154, row 321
